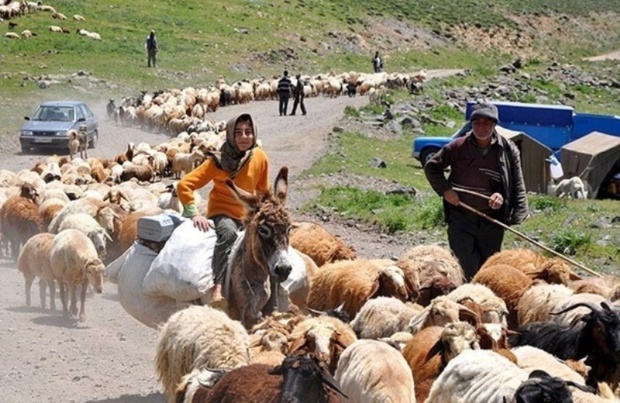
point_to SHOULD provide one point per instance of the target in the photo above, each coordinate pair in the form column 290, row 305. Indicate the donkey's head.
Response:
column 267, row 226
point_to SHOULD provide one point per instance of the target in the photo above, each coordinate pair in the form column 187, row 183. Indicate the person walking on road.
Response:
column 151, row 49
column 299, row 95
column 284, row 92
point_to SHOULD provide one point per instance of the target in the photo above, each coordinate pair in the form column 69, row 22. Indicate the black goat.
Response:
column 597, row 338
column 300, row 378
column 542, row 387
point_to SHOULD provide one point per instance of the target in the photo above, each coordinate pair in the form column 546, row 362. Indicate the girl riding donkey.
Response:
column 248, row 167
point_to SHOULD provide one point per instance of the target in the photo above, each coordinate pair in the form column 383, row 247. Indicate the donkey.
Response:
column 261, row 254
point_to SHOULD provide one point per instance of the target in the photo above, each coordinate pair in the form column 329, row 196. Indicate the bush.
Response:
column 567, row 241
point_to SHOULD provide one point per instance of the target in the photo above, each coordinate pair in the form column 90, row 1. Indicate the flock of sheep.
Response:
column 10, row 10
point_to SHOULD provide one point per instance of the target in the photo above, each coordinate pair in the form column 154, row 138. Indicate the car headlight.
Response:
column 61, row 133
column 26, row 133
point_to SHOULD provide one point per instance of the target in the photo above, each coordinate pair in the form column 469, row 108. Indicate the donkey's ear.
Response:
column 247, row 199
column 281, row 185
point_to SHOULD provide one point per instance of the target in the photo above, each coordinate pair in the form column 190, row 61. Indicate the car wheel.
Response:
column 427, row 155
column 93, row 141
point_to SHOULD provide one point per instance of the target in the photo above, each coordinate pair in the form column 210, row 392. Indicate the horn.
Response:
column 590, row 305
column 316, row 312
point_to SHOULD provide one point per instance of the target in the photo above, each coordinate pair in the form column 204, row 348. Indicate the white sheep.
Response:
column 199, row 337
column 366, row 379
column 75, row 262
column 183, row 163
column 382, row 317
column 539, row 300
column 572, row 188
column 86, row 224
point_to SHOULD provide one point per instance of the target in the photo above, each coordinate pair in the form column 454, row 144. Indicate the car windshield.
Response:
column 55, row 114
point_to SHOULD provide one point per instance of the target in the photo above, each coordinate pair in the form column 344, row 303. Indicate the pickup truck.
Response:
column 551, row 125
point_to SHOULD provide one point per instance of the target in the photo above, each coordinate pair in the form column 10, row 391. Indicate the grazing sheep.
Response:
column 571, row 188
column 322, row 247
column 20, row 218
column 431, row 349
column 485, row 376
column 12, row 35
column 353, row 282
column 34, row 261
column 382, row 317
column 366, row 379
column 75, row 262
column 78, row 17
column 507, row 283
column 197, row 338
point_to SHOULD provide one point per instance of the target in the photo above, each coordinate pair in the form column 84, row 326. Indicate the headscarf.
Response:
column 229, row 157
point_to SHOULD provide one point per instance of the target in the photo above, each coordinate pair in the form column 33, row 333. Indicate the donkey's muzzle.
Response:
column 281, row 272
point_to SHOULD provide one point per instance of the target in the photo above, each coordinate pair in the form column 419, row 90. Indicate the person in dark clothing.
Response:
column 377, row 63
column 151, row 49
column 486, row 163
column 299, row 95
column 284, row 92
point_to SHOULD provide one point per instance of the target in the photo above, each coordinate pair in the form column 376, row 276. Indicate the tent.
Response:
column 591, row 157
column 534, row 154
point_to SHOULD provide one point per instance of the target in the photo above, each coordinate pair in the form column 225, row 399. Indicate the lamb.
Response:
column 19, row 218
column 365, row 379
column 75, row 262
column 316, row 242
column 430, row 350
column 507, row 283
column 381, row 317
column 184, row 163
column 196, row 338
column 572, row 188
column 34, row 261
column 353, row 282
column 485, row 376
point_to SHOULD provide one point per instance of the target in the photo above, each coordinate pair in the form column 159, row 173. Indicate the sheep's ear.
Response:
column 436, row 349
column 375, row 287
column 573, row 277
column 106, row 197
column 281, row 185
column 297, row 345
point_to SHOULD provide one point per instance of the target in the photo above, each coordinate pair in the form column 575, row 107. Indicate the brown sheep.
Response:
column 20, row 218
column 129, row 231
column 430, row 350
column 534, row 265
column 353, row 282
column 507, row 283
column 437, row 258
column 34, row 261
column 315, row 241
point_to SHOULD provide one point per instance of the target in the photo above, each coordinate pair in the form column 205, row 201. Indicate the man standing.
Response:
column 486, row 175
column 284, row 92
column 151, row 49
column 299, row 95
column 377, row 63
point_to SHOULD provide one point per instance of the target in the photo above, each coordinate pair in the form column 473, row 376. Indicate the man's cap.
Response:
column 484, row 110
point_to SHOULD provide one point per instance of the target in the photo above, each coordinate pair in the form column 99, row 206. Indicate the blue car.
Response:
column 48, row 126
column 425, row 147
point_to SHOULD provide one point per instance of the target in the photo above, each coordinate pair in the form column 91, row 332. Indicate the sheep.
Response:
column 75, row 262
column 530, row 358
column 494, row 307
column 140, row 172
column 596, row 337
column 20, row 218
column 49, row 209
column 382, row 317
column 539, row 300
column 34, row 261
column 55, row 28
column 574, row 316
column 196, row 338
column 507, row 283
column 86, row 224
column 439, row 312
column 12, row 35
column 184, row 163
column 353, row 282
column 324, row 336
column 603, row 286
column 78, row 17
column 572, row 188
column 444, row 261
column 485, row 376
column 430, row 350
column 58, row 16
column 88, row 205
column 300, row 378
column 535, row 265
column 170, row 199
column 365, row 379
column 316, row 242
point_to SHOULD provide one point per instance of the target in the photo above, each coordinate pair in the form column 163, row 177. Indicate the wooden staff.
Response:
column 514, row 231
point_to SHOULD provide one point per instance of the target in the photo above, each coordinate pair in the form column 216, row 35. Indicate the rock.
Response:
column 337, row 129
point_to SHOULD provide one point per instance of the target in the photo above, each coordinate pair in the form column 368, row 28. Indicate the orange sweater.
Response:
column 253, row 178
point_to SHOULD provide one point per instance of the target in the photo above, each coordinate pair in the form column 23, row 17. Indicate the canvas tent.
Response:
column 536, row 172
column 591, row 158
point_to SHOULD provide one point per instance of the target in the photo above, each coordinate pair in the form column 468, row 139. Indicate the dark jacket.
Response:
column 284, row 86
column 299, row 88
column 151, row 42
column 515, row 208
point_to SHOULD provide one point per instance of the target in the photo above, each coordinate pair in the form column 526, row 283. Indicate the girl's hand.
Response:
column 201, row 223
